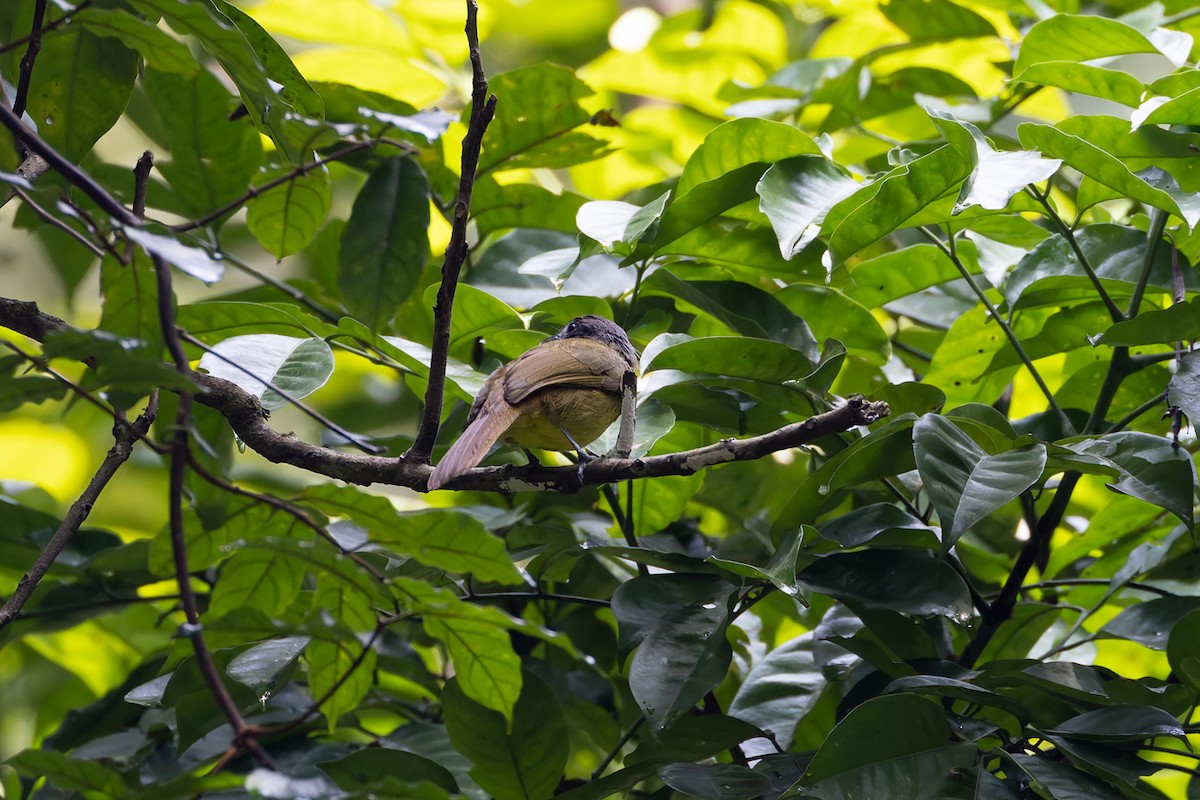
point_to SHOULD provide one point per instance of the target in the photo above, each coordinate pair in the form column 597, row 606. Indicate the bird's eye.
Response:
column 572, row 326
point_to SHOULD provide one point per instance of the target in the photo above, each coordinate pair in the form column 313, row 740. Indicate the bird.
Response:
column 559, row 395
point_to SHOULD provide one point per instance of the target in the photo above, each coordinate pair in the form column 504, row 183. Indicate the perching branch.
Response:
column 125, row 436
column 483, row 108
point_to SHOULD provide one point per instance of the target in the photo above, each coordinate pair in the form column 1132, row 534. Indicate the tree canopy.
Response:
column 909, row 507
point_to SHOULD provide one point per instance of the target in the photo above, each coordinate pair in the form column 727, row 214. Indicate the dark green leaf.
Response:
column 740, row 306
column 521, row 761
column 160, row 51
column 1061, row 781
column 1183, row 649
column 715, row 781
column 1150, row 622
column 364, row 768
column 1073, row 37
column 90, row 778
column 1155, row 188
column 780, row 690
column 1176, row 323
column 897, row 741
column 964, row 482
column 260, row 666
column 736, row 356
column 1184, row 389
column 874, row 523
column 678, row 622
column 908, row 581
column 1120, row 724
column 339, row 669
column 1151, row 469
column 385, row 244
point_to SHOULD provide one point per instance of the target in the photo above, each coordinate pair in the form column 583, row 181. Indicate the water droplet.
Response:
column 823, row 489
column 50, row 119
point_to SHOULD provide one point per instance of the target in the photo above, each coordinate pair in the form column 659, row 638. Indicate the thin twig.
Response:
column 27, row 60
column 1029, row 587
column 178, row 469
column 1013, row 339
column 117, row 455
column 50, row 219
column 65, row 167
column 1158, row 225
column 50, row 26
column 301, row 516
column 483, row 108
column 252, row 192
column 1069, row 235
column 349, row 436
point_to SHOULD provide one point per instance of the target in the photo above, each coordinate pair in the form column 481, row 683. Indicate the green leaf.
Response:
column 897, row 741
column 936, row 20
column 779, row 691
column 1110, row 84
column 260, row 579
column 1050, row 274
column 296, row 367
column 211, row 158
column 215, row 320
column 995, row 175
column 385, row 244
column 1152, row 187
column 330, row 662
column 678, row 622
column 541, row 134
column 1173, row 324
column 899, row 273
column 715, row 781
column 1061, row 781
column 16, row 392
column 904, row 580
column 833, row 315
column 1184, row 389
column 746, row 309
column 523, row 760
column 1075, row 37
column 364, row 769
column 886, row 204
column 194, row 261
column 269, row 83
column 618, row 226
column 872, row 523
column 80, row 87
column 964, row 483
column 1120, row 724
column 91, row 778
column 736, row 356
column 1150, row 622
column 1151, row 469
column 445, row 539
column 260, row 666
column 160, row 51
column 1183, row 649
column 795, row 194
column 521, row 205
column 738, row 143
column 286, row 218
column 476, row 314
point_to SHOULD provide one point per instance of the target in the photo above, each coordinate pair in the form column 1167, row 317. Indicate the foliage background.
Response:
column 885, row 89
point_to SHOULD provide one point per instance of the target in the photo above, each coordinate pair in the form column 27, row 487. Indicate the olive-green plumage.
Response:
column 569, row 383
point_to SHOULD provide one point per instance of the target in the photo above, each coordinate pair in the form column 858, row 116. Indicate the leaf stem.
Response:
column 951, row 253
column 1158, row 225
column 1069, row 235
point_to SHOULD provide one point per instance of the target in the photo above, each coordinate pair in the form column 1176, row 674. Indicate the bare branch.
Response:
column 125, row 437
column 50, row 26
column 483, row 108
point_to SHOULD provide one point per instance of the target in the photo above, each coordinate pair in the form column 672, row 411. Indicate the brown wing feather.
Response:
column 583, row 363
column 492, row 421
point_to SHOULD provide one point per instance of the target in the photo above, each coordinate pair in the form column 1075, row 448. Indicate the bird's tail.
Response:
column 473, row 445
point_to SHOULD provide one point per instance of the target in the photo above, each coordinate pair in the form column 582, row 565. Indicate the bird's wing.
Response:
column 582, row 363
